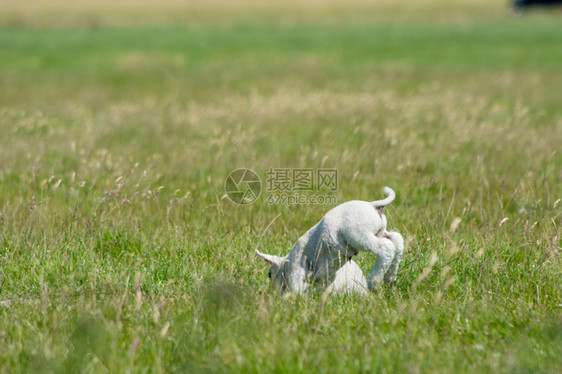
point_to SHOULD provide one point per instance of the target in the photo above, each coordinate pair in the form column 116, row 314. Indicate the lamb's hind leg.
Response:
column 398, row 241
column 383, row 248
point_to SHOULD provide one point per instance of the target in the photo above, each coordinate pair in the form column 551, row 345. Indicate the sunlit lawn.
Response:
column 119, row 250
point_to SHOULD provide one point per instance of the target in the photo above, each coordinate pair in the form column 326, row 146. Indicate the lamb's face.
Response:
column 277, row 271
column 277, row 274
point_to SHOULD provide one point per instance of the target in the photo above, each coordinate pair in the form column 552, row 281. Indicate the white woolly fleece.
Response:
column 349, row 228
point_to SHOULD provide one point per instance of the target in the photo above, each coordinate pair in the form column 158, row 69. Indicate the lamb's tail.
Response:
column 390, row 195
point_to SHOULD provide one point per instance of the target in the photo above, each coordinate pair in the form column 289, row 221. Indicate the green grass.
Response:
column 120, row 252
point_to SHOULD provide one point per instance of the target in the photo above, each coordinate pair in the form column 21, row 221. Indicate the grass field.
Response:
column 119, row 251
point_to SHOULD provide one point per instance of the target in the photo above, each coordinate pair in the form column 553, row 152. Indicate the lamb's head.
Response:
column 277, row 271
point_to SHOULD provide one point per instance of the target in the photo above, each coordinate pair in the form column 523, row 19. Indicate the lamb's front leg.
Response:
column 296, row 279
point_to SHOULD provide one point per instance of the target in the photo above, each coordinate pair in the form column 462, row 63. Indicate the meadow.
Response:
column 120, row 251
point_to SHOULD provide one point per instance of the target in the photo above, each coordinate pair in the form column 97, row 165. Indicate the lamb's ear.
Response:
column 270, row 259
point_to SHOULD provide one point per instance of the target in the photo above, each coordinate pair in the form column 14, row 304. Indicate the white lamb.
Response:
column 349, row 228
column 349, row 279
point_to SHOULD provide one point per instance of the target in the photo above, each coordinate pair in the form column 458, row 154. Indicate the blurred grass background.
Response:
column 88, row 13
column 119, row 251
